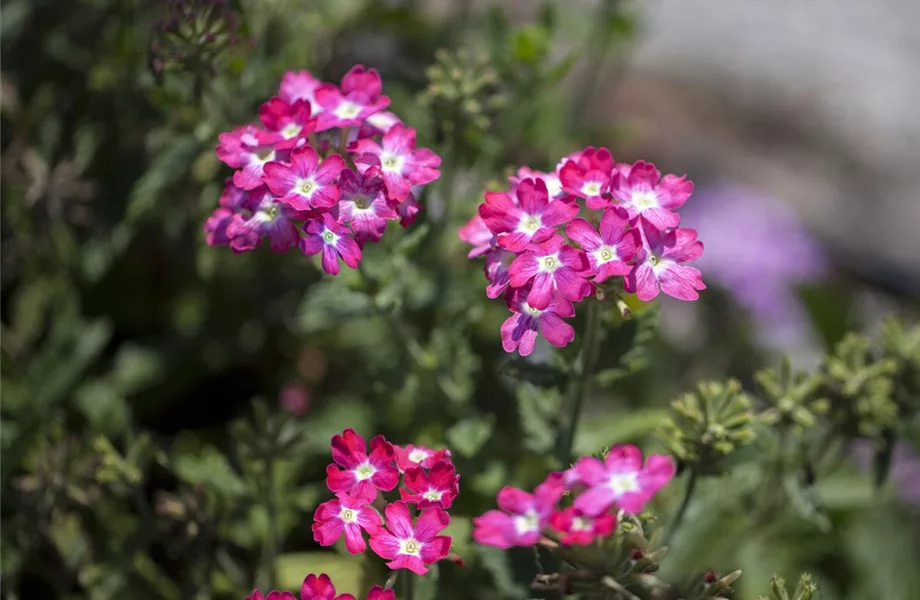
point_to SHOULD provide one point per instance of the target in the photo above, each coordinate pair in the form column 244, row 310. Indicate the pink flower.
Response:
column 579, row 529
column 550, row 180
column 294, row 399
column 275, row 595
column 519, row 331
column 268, row 218
column 408, row 547
column 287, row 124
column 333, row 240
column 588, row 176
column 478, row 235
column 242, row 150
column 379, row 123
column 498, row 265
column 321, row 588
column 610, row 252
column 361, row 474
column 410, row 457
column 659, row 264
column 555, row 268
column 532, row 219
column 363, row 205
column 305, row 183
column 215, row 227
column 345, row 515
column 522, row 516
column 642, row 191
column 378, row 593
column 408, row 210
column 403, row 165
column 621, row 479
column 437, row 488
column 300, row 85
column 358, row 98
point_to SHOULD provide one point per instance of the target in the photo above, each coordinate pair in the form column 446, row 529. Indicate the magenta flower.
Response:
column 621, row 479
column 363, row 205
column 345, row 515
column 300, row 85
column 321, row 588
column 522, row 516
column 642, row 191
column 519, row 331
column 361, row 474
column 403, row 165
column 438, row 488
column 550, row 180
column 532, row 219
column 555, row 269
column 241, row 149
column 287, row 124
column 215, row 227
column 578, row 529
column 269, row 219
column 408, row 210
column 275, row 595
column 333, row 240
column 477, row 234
column 610, row 252
column 412, row 547
column 357, row 99
column 659, row 264
column 588, row 177
column 498, row 271
column 410, row 457
column 379, row 123
column 305, row 183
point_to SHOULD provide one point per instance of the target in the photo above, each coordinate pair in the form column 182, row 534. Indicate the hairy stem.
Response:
column 580, row 384
column 682, row 510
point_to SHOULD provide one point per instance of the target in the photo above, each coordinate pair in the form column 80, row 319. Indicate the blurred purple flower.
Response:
column 905, row 467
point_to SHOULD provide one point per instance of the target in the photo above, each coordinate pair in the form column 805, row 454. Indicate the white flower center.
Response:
column 553, row 186
column 347, row 110
column 291, row 130
column 527, row 523
column 263, row 155
column 329, row 237
column 418, row 455
column 411, row 546
column 550, row 263
column 643, row 200
column 534, row 312
column 530, row 224
column 307, row 187
column 365, row 471
column 605, row 254
column 581, row 524
column 591, row 188
column 348, row 515
column 433, row 495
column 622, row 483
column 361, row 202
column 653, row 260
column 391, row 163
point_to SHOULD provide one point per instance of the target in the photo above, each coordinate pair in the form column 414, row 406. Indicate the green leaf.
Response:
column 596, row 432
column 410, row 242
column 497, row 563
column 340, row 413
column 209, row 466
column 426, row 586
column 539, row 374
column 344, row 571
column 135, row 368
column 469, row 435
column 460, row 530
column 805, row 501
column 103, row 406
column 830, row 310
column 328, row 303
column 538, row 410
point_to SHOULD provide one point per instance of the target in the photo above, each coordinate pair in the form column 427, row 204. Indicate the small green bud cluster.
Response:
column 805, row 590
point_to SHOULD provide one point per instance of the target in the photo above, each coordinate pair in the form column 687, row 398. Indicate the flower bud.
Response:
column 791, row 397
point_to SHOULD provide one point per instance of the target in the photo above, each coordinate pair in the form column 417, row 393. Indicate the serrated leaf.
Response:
column 538, row 410
column 329, row 302
column 469, row 435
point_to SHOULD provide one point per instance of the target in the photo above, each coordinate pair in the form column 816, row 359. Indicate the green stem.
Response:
column 409, row 588
column 682, row 510
column 580, row 384
column 270, row 552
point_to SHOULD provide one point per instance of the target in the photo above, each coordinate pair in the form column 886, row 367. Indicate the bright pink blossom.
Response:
column 266, row 218
column 241, row 149
column 345, row 515
column 274, row 595
column 410, row 457
column 215, row 227
column 361, row 475
column 378, row 123
column 300, row 85
column 409, row 546
column 438, row 488
column 363, row 205
column 550, row 180
column 321, row 588
column 402, row 164
column 498, row 271
column 358, row 98
column 287, row 125
column 554, row 269
column 408, row 210
column 578, row 529
column 477, row 234
column 642, row 191
column 305, row 183
column 588, row 176
column 333, row 240
column 622, row 480
column 611, row 251
column 532, row 219
column 519, row 331
column 522, row 516
column 659, row 264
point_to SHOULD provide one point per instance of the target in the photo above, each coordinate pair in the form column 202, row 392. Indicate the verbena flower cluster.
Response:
column 598, row 488
column 628, row 229
column 324, row 170
column 321, row 588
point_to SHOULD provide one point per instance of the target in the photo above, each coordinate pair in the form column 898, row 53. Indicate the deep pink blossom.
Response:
column 659, row 264
column 361, row 475
column 588, row 176
column 378, row 593
column 550, row 180
column 611, row 251
column 333, row 240
column 622, row 480
column 305, row 183
column 402, row 164
column 412, row 547
column 358, row 98
column 519, row 331
column 363, row 205
column 410, row 457
column 554, row 269
column 378, row 123
column 274, row 595
column 266, row 218
column 437, row 488
column 498, row 271
column 578, row 529
column 477, row 234
column 345, row 515
column 287, row 125
column 300, row 85
column 321, row 588
column 522, row 516
column 408, row 210
column 642, row 191
column 241, row 149
column 532, row 219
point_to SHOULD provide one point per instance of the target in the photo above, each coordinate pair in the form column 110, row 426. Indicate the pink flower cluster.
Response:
column 628, row 229
column 429, row 483
column 325, row 161
column 599, row 487
column 321, row 588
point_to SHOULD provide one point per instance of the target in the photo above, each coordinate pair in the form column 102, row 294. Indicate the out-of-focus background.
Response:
column 132, row 351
